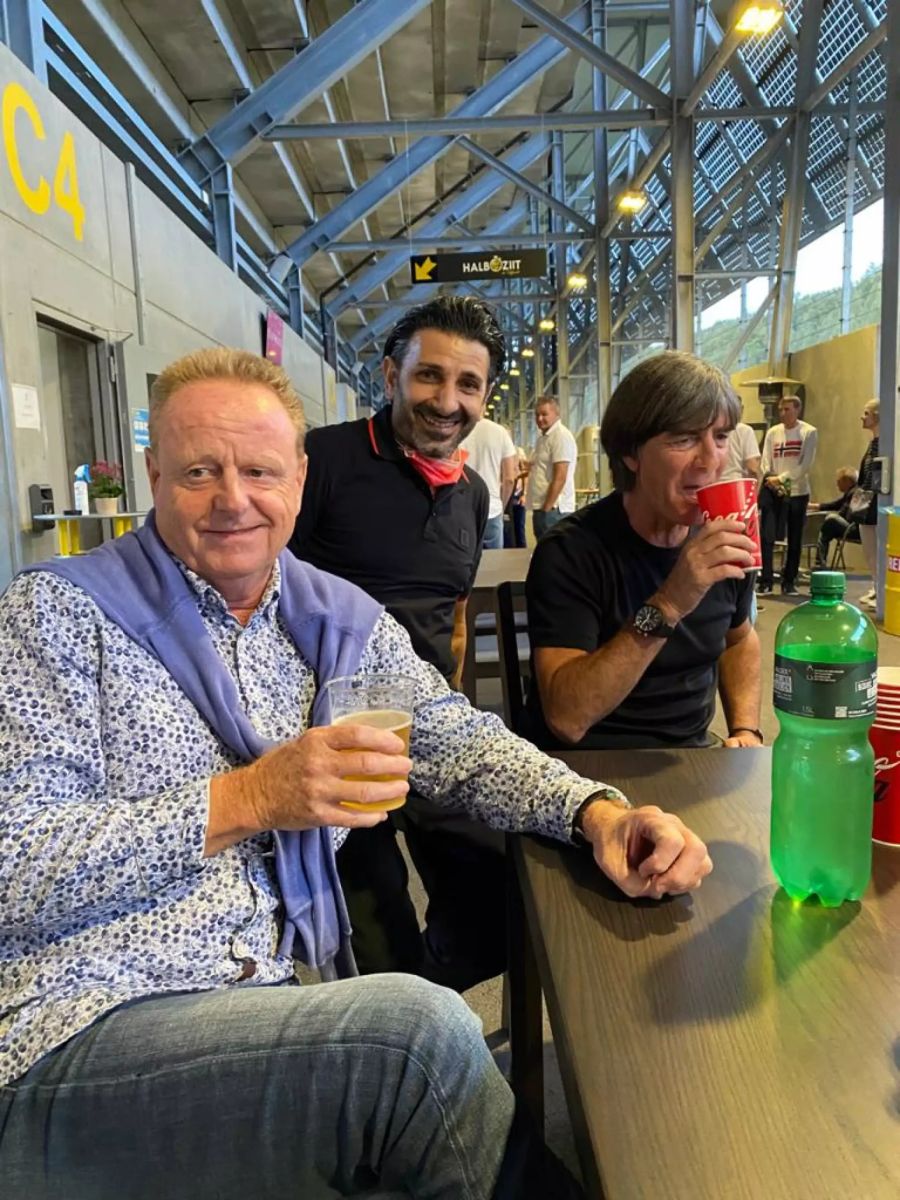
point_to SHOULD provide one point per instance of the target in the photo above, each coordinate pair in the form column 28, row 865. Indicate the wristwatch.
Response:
column 610, row 794
column 650, row 622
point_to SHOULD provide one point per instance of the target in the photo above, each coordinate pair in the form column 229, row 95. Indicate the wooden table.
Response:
column 496, row 567
column 723, row 1046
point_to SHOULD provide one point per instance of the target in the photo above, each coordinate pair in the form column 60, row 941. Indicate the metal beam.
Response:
column 472, row 241
column 717, row 60
column 598, row 58
column 795, row 187
column 521, row 181
column 849, row 210
column 299, row 82
column 421, row 293
column 889, row 341
column 747, row 332
column 455, row 209
column 514, row 123
column 508, row 82
column 843, row 69
column 21, row 28
column 682, row 14
column 602, row 294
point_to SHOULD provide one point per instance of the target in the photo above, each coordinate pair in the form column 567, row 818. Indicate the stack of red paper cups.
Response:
column 885, row 738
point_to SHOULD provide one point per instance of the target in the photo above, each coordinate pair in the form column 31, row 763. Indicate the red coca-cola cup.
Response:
column 886, row 819
column 734, row 501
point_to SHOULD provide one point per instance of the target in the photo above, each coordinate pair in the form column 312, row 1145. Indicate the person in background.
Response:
column 789, row 452
column 635, row 616
column 838, row 520
column 492, row 455
column 551, row 478
column 743, row 454
column 390, row 506
column 514, row 537
column 868, row 520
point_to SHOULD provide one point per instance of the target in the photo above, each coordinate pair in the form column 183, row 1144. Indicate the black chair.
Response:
column 512, row 642
column 850, row 534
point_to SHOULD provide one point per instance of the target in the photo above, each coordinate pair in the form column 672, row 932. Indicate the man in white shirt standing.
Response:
column 743, row 454
column 787, row 458
column 492, row 454
column 551, row 481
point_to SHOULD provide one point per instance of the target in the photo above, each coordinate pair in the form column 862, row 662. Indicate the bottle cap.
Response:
column 827, row 583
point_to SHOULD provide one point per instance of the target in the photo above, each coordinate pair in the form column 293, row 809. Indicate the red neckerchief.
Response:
column 437, row 471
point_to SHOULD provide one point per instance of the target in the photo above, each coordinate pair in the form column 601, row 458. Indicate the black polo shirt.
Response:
column 369, row 516
column 588, row 577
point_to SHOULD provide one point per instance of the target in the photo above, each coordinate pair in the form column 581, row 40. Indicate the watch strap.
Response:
column 610, row 794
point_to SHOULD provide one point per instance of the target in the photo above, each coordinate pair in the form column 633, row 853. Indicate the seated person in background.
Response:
column 156, row 726
column 838, row 520
column 635, row 614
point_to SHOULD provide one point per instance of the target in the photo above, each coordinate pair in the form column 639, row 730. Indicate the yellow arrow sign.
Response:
column 422, row 270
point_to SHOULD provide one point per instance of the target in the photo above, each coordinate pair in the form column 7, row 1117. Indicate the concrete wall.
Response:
column 87, row 284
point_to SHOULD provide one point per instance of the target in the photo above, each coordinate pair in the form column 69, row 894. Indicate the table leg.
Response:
column 526, row 1019
column 69, row 538
column 122, row 525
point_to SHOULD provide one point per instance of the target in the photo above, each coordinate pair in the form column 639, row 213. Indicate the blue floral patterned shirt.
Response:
column 105, row 895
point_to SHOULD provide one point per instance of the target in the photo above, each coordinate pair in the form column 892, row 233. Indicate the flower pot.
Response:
column 106, row 506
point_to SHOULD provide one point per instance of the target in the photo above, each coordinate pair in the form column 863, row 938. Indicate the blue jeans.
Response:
column 542, row 521
column 493, row 534
column 377, row 1086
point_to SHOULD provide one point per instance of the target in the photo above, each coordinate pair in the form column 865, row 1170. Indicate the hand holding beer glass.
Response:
column 380, row 702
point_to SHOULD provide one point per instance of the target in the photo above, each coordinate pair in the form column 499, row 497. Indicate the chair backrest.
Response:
column 505, row 598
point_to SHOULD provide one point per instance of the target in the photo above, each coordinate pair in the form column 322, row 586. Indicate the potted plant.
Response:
column 105, row 488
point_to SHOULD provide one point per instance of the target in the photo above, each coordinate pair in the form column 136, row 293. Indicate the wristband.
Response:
column 609, row 794
column 747, row 729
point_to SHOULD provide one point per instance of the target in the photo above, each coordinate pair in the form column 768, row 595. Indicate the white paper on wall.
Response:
column 26, row 407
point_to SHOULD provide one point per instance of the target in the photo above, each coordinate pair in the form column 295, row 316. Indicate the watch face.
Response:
column 648, row 618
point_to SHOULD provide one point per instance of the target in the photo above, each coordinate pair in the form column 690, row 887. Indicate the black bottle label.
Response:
column 828, row 691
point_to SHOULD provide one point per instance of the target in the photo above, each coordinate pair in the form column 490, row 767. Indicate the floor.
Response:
column 486, row 998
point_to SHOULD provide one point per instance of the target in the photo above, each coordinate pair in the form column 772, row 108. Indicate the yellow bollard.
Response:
column 892, row 575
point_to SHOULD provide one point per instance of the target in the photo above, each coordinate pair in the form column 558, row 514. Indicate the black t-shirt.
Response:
column 368, row 516
column 588, row 577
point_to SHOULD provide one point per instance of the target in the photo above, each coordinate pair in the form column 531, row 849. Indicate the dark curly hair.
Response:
column 463, row 315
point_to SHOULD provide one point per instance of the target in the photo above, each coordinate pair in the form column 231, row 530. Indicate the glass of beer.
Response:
column 381, row 702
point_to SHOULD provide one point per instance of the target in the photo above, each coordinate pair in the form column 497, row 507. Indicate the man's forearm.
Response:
column 586, row 689
column 458, row 643
column 740, row 684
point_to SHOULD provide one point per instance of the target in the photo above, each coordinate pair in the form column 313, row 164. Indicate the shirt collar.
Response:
column 213, row 604
column 544, row 432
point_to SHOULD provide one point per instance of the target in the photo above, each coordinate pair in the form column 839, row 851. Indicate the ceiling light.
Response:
column 576, row 281
column 546, row 325
column 632, row 200
column 514, row 371
column 504, row 387
column 527, row 352
column 760, row 17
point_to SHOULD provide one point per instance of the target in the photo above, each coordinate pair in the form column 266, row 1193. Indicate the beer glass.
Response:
column 381, row 702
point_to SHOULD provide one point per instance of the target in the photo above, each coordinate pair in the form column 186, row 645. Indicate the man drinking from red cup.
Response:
column 637, row 609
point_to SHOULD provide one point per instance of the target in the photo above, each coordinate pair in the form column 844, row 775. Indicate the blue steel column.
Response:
column 222, row 196
column 795, row 186
column 558, row 166
column 890, row 293
column 601, row 244
column 681, row 33
column 22, row 29
column 295, row 302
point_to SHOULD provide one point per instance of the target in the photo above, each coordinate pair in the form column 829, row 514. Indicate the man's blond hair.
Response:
column 224, row 362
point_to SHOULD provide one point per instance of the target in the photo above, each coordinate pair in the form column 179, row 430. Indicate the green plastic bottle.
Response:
column 823, row 768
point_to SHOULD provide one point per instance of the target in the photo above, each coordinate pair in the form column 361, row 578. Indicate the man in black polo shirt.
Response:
column 634, row 614
column 390, row 505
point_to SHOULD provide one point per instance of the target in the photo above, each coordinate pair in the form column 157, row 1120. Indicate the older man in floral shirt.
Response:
column 168, row 814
